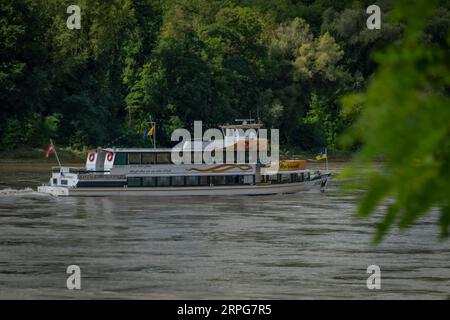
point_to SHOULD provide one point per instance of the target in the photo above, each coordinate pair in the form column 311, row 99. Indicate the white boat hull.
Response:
column 260, row 189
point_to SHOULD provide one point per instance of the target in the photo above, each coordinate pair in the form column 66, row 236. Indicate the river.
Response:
column 301, row 246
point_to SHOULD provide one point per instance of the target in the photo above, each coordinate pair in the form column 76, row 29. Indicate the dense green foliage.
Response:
column 287, row 62
column 405, row 118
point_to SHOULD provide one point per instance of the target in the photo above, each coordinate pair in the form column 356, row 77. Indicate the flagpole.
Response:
column 56, row 153
column 152, row 128
column 154, row 135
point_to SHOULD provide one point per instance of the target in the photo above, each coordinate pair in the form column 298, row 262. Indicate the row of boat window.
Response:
column 213, row 180
column 189, row 181
column 286, row 178
column 123, row 158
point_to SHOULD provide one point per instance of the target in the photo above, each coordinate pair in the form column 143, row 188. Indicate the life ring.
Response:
column 109, row 156
column 91, row 156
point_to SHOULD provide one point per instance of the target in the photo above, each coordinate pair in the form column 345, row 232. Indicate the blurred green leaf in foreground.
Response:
column 404, row 118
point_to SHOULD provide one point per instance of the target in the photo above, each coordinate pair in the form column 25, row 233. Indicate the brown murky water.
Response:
column 283, row 247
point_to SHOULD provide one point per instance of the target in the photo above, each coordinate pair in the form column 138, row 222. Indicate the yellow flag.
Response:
column 152, row 130
column 321, row 155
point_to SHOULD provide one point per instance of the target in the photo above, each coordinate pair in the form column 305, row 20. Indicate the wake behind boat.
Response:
column 151, row 172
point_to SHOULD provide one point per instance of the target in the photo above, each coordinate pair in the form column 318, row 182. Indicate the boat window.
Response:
column 56, row 170
column 192, row 180
column 285, row 178
column 248, row 179
column 134, row 182
column 149, row 181
column 73, row 170
column 64, row 182
column 218, row 180
column 178, row 181
column 203, row 180
column 232, row 179
column 120, row 159
column 163, row 158
column 148, row 158
column 134, row 158
column 163, row 181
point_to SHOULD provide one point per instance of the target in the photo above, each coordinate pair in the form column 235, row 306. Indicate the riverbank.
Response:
column 35, row 154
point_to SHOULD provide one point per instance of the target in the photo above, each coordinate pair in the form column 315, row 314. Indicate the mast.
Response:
column 152, row 126
column 56, row 153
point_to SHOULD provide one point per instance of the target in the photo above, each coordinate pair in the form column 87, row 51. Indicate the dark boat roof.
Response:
column 138, row 149
column 150, row 150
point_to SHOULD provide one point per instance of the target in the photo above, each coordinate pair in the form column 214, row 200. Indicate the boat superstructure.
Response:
column 151, row 172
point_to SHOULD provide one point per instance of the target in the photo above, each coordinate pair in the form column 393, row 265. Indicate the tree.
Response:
column 286, row 62
column 301, row 69
column 24, row 71
column 405, row 118
column 203, row 68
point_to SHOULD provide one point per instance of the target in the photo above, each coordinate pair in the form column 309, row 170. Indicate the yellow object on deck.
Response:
column 292, row 165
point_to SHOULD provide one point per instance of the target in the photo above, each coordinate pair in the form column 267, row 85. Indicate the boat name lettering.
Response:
column 152, row 171
column 101, row 177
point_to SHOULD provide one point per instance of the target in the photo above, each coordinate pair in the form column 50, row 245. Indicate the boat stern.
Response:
column 62, row 179
column 54, row 190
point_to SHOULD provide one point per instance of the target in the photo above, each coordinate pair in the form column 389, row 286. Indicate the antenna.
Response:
column 257, row 114
column 56, row 153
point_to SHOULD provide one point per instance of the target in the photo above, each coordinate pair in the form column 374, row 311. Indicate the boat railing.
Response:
column 65, row 169
column 77, row 170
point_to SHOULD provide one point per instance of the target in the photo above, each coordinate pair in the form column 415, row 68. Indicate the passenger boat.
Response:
column 150, row 172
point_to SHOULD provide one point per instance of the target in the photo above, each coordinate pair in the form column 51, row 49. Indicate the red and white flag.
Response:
column 49, row 150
